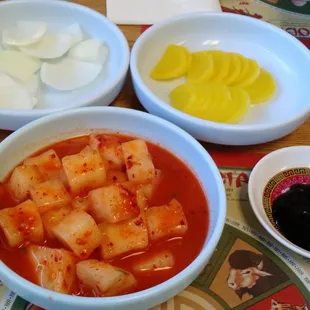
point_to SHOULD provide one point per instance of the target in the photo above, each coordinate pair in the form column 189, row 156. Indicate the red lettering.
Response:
column 227, row 176
column 292, row 31
column 242, row 178
column 303, row 32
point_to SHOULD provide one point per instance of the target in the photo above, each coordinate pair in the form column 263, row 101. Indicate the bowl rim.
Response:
column 256, row 206
column 124, row 46
column 186, row 118
column 205, row 253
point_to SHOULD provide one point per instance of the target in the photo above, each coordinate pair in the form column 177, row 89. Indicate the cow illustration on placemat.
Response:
column 245, row 274
column 252, row 273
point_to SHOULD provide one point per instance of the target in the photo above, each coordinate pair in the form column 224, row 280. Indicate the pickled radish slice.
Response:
column 24, row 33
column 221, row 97
column 221, row 66
column 18, row 65
column 173, row 64
column 212, row 102
column 263, row 88
column 203, row 101
column 55, row 45
column 201, row 67
column 14, row 95
column 90, row 50
column 243, row 70
column 234, row 68
column 238, row 105
column 206, row 101
column 69, row 74
column 251, row 74
column 182, row 96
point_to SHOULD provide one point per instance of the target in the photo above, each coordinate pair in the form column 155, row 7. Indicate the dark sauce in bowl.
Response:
column 291, row 214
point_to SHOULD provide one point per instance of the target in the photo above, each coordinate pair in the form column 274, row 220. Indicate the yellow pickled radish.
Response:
column 220, row 66
column 251, row 75
column 201, row 67
column 182, row 96
column 192, row 96
column 263, row 88
column 220, row 97
column 173, row 64
column 212, row 102
column 208, row 101
column 238, row 106
column 244, row 69
column 234, row 68
column 201, row 102
column 222, row 107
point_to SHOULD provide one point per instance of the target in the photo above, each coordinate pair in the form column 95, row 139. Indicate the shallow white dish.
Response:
column 59, row 126
column 59, row 14
column 268, row 167
column 274, row 49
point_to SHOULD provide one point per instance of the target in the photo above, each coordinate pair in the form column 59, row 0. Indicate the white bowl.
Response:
column 274, row 49
column 56, row 127
column 59, row 14
column 268, row 167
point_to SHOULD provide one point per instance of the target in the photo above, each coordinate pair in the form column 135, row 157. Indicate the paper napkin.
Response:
column 147, row 12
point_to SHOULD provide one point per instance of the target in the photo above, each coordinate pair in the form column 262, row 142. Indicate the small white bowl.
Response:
column 60, row 14
column 270, row 178
column 56, row 127
column 275, row 50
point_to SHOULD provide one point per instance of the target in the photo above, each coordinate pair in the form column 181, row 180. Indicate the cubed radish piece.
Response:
column 50, row 195
column 81, row 204
column 166, row 221
column 49, row 165
column 139, row 164
column 162, row 260
column 85, row 171
column 113, row 203
column 53, row 217
column 142, row 201
column 22, row 224
column 114, row 176
column 124, row 237
column 79, row 232
column 54, row 269
column 22, row 179
column 110, row 149
column 150, row 188
column 105, row 279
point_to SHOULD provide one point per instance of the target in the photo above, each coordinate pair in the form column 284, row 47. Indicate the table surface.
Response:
column 128, row 99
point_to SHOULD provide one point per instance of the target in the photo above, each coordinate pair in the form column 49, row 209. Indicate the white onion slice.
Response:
column 69, row 74
column 24, row 33
column 14, row 95
column 55, row 45
column 18, row 65
column 90, row 50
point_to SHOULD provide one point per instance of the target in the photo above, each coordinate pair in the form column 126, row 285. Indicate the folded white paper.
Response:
column 147, row 12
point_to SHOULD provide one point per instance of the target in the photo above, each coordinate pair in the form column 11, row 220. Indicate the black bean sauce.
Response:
column 291, row 213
